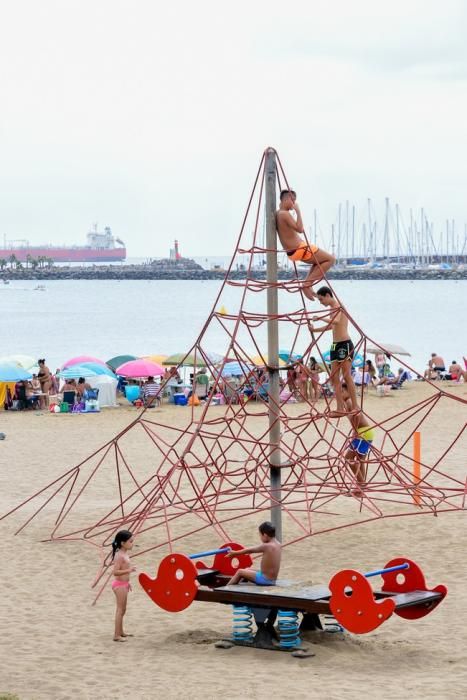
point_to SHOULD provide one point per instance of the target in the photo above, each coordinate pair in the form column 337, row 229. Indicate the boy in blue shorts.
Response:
column 360, row 444
column 270, row 561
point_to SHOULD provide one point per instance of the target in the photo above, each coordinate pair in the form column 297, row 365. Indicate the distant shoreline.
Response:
column 147, row 272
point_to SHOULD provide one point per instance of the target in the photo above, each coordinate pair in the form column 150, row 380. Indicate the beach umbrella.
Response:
column 214, row 358
column 158, row 359
column 262, row 360
column 140, row 368
column 98, row 369
column 288, row 356
column 180, row 358
column 236, row 369
column 357, row 361
column 13, row 372
column 80, row 359
column 118, row 360
column 76, row 371
column 387, row 348
column 26, row 361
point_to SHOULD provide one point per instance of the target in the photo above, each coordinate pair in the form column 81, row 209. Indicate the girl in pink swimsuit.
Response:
column 122, row 569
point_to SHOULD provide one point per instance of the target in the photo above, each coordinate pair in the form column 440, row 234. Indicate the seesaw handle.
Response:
column 209, row 553
column 399, row 567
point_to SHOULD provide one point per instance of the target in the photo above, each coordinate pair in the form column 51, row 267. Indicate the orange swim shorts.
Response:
column 304, row 253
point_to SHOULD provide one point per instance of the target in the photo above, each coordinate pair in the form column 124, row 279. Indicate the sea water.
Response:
column 104, row 318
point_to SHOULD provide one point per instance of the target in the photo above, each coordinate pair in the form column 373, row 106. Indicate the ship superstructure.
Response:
column 101, row 247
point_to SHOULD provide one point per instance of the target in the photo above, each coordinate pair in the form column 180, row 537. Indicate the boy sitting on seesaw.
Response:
column 270, row 561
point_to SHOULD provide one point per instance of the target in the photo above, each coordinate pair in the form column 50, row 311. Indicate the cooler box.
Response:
column 180, row 400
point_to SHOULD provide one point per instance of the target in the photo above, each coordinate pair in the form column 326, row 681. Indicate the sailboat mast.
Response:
column 370, row 232
column 346, row 229
column 353, row 231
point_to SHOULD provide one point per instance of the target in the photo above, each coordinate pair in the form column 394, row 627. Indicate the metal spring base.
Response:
column 289, row 632
column 242, row 630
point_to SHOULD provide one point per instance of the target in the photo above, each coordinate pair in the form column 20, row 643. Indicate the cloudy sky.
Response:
column 151, row 117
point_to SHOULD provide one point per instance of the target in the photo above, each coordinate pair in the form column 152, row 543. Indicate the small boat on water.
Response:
column 40, row 288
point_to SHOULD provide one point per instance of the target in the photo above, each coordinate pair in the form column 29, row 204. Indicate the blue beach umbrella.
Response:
column 12, row 372
column 97, row 369
column 289, row 356
column 77, row 371
column 236, row 369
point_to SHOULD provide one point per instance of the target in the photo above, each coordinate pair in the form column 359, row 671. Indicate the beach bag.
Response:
column 193, row 400
column 64, row 407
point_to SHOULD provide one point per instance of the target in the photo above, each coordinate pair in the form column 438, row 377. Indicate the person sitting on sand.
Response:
column 456, row 371
column 402, row 376
column 35, row 384
column 270, row 561
column 81, row 388
column 371, row 369
column 436, row 365
column 360, row 444
column 150, row 390
column 342, row 349
column 288, row 229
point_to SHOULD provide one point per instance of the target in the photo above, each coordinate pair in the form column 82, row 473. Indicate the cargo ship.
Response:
column 100, row 247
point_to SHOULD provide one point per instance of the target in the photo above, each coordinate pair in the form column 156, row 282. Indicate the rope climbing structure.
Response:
column 197, row 479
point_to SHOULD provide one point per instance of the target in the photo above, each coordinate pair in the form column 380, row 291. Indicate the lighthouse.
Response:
column 174, row 252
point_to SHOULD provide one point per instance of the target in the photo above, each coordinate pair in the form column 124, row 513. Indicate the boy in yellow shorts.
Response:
column 360, row 445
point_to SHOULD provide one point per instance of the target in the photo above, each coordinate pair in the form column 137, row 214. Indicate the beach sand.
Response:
column 54, row 644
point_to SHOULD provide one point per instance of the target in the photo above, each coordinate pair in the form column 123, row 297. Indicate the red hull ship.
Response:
column 101, row 247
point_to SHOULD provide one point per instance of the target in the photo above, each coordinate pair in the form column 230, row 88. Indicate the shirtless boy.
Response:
column 270, row 561
column 296, row 248
column 360, row 445
column 456, row 371
column 341, row 350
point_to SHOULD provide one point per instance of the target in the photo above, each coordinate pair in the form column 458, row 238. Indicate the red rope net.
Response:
column 194, row 482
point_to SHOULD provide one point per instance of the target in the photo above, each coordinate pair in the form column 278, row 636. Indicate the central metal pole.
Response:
column 273, row 344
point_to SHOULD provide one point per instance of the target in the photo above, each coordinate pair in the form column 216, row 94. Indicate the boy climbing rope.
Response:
column 359, row 447
column 298, row 250
column 342, row 350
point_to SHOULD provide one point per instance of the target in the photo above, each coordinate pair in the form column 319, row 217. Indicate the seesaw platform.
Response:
column 349, row 600
column 310, row 601
column 290, row 595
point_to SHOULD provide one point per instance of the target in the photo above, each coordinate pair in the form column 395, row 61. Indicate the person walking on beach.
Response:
column 270, row 561
column 342, row 350
column 122, row 569
column 298, row 250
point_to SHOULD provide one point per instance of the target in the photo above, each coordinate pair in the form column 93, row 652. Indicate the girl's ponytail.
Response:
column 121, row 536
